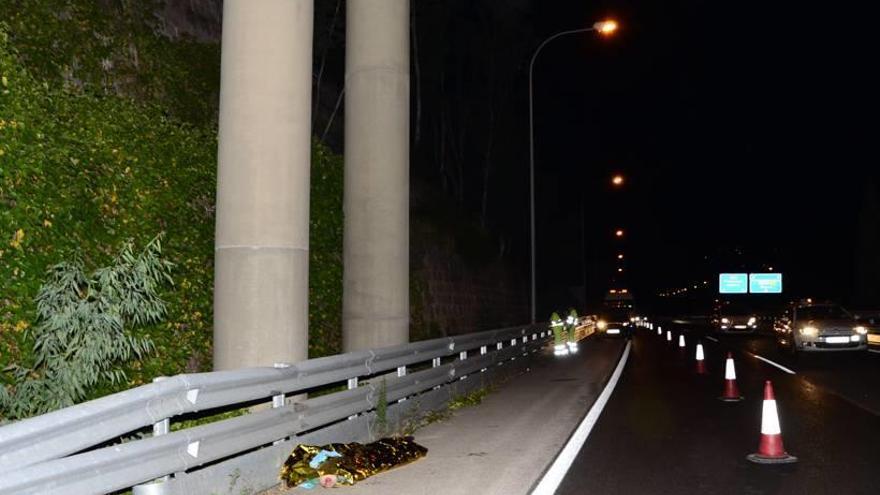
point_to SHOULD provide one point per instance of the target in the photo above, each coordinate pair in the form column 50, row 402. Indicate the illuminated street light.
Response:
column 605, row 28
column 620, row 270
column 617, row 180
column 620, row 256
column 619, row 233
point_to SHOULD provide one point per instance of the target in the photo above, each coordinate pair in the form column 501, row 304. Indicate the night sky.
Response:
column 742, row 128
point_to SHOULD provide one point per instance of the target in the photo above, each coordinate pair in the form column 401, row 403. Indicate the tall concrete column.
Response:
column 376, row 242
column 262, row 238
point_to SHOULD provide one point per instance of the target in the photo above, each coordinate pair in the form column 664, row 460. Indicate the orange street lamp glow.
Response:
column 619, row 233
column 617, row 180
column 606, row 28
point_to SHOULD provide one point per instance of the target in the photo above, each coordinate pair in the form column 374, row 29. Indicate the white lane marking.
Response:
column 771, row 363
column 713, row 339
column 557, row 471
column 875, row 351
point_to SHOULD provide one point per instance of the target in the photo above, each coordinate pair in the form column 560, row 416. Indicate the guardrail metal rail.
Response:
column 78, row 449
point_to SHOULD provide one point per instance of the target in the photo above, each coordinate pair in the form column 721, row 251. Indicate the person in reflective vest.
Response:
column 557, row 326
column 571, row 324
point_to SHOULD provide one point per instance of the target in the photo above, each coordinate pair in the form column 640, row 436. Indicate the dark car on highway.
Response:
column 734, row 317
column 615, row 322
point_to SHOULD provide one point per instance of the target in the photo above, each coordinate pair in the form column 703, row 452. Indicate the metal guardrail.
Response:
column 51, row 453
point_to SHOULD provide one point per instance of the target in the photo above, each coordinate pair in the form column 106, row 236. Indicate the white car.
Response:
column 820, row 327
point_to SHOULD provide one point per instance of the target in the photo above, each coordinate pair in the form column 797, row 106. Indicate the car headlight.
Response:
column 809, row 331
column 753, row 320
column 626, row 324
column 860, row 330
column 725, row 320
column 602, row 324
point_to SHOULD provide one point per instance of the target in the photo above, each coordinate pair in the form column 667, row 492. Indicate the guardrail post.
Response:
column 401, row 372
column 157, row 486
column 462, row 356
column 279, row 399
column 353, row 384
column 435, row 363
column 482, row 353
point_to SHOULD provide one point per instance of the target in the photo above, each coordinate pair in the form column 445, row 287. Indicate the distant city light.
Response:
column 620, row 256
column 619, row 233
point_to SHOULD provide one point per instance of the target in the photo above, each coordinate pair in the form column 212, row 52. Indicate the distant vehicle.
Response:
column 819, row 327
column 870, row 320
column 734, row 317
column 615, row 322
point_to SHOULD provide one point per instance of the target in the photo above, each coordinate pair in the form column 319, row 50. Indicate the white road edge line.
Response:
column 771, row 363
column 875, row 351
column 557, row 471
column 713, row 339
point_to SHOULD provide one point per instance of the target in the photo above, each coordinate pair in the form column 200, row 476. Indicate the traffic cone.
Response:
column 659, row 330
column 668, row 336
column 681, row 341
column 701, row 363
column 770, row 448
column 731, row 391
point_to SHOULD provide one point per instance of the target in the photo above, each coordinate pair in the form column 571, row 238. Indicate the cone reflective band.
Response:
column 681, row 340
column 659, row 330
column 731, row 391
column 701, row 365
column 770, row 448
column 668, row 336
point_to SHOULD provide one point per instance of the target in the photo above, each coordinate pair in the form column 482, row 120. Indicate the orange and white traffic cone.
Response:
column 681, row 341
column 668, row 336
column 731, row 391
column 659, row 330
column 701, row 360
column 770, row 448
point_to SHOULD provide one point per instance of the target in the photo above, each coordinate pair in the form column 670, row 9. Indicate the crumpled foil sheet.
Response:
column 357, row 461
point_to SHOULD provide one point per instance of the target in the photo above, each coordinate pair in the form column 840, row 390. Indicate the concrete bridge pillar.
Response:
column 376, row 242
column 262, row 231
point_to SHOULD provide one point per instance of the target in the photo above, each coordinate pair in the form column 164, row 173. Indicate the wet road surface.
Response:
column 664, row 430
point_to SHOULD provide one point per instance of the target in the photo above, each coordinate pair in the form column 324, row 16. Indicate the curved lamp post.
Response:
column 605, row 28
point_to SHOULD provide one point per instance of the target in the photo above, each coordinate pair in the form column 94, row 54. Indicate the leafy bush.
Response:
column 83, row 329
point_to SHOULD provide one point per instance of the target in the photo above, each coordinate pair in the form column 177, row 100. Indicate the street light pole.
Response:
column 606, row 27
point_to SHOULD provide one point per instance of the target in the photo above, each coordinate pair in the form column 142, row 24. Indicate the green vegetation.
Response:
column 108, row 133
column 85, row 329
column 472, row 399
column 115, row 48
column 382, row 409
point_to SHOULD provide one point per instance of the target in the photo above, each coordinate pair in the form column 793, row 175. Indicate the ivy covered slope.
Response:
column 93, row 153
column 115, row 47
column 81, row 173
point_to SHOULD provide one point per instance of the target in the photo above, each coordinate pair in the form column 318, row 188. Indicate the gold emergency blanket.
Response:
column 355, row 463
